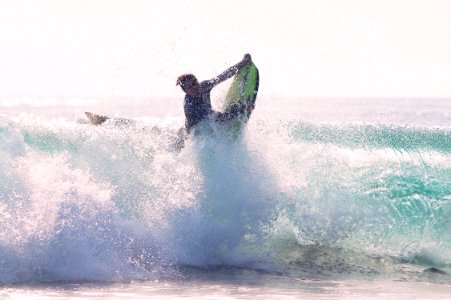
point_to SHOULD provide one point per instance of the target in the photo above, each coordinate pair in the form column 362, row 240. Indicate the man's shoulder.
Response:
column 206, row 85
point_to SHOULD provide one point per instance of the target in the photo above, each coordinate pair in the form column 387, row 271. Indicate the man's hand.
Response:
column 250, row 107
column 246, row 59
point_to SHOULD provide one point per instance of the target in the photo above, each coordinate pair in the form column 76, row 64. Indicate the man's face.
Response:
column 191, row 87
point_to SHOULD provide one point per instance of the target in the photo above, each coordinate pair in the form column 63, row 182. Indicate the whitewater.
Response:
column 318, row 198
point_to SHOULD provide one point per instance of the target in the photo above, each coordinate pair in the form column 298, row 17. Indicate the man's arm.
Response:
column 234, row 112
column 229, row 72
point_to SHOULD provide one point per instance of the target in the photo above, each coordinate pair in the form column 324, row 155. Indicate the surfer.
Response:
column 197, row 104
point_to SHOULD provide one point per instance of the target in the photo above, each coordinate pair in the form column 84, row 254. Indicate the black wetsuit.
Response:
column 198, row 108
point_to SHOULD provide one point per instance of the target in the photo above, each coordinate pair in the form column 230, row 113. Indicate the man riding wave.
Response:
column 197, row 104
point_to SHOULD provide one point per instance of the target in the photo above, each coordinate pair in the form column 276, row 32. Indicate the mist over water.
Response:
column 311, row 188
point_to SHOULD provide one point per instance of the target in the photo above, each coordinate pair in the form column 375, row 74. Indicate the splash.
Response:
column 112, row 203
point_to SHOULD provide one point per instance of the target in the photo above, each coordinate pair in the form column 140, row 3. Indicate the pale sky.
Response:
column 303, row 48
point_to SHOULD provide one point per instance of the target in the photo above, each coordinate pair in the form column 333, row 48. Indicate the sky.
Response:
column 303, row 48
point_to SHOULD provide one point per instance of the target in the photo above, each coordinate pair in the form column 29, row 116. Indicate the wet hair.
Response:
column 183, row 79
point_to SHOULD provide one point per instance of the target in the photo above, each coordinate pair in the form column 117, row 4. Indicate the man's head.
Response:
column 189, row 84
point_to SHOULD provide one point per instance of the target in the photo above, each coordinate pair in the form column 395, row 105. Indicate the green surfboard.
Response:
column 242, row 91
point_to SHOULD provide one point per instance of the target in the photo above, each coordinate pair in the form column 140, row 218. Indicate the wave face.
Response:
column 119, row 202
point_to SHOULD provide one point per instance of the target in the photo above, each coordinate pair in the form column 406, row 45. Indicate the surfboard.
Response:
column 95, row 119
column 242, row 91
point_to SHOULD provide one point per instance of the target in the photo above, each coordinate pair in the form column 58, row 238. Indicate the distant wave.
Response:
column 374, row 136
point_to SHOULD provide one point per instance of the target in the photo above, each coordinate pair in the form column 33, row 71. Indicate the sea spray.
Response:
column 118, row 202
column 234, row 200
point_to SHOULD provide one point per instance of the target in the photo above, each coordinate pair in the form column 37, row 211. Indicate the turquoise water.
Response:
column 326, row 193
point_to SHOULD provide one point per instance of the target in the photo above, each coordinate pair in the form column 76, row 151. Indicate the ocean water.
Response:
column 318, row 198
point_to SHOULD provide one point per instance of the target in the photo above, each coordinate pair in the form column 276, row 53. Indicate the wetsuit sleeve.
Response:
column 224, row 75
